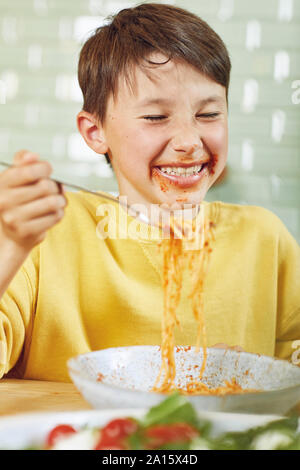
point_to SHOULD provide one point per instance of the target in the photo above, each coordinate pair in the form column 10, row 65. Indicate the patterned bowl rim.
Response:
column 75, row 370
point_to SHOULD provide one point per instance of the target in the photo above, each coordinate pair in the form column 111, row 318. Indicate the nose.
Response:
column 187, row 140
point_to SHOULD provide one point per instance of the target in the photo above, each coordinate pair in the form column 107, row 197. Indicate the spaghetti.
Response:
column 193, row 249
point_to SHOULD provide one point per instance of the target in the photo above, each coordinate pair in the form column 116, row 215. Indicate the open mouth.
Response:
column 183, row 177
column 181, row 171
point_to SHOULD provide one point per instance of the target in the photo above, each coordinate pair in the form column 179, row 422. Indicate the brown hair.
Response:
column 130, row 36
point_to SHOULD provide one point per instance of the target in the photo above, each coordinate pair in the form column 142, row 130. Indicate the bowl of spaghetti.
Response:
column 232, row 381
column 212, row 379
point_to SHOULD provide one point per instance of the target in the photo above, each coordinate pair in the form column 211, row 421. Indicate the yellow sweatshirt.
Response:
column 80, row 291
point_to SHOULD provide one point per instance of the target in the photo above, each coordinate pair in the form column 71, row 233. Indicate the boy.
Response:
column 155, row 85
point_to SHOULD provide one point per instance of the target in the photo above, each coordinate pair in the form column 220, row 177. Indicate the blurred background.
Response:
column 40, row 42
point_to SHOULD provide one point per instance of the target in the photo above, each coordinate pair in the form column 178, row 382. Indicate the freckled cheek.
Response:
column 136, row 152
column 144, row 148
column 217, row 139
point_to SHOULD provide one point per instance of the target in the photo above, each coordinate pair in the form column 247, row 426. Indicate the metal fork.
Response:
column 137, row 214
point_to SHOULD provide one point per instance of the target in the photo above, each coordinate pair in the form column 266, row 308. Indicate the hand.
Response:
column 225, row 346
column 30, row 203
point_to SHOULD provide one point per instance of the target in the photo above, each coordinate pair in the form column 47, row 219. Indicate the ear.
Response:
column 92, row 132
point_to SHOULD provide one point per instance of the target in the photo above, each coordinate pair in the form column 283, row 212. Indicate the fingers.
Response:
column 22, row 175
column 34, row 231
column 220, row 346
column 24, row 194
column 27, row 168
column 30, row 202
column 225, row 346
column 27, row 224
column 23, row 157
column 237, row 348
column 61, row 188
column 32, row 210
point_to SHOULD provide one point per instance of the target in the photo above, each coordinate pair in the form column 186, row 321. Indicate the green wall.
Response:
column 39, row 95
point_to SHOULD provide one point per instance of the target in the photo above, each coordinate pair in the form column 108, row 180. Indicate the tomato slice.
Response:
column 119, row 428
column 62, row 430
column 114, row 433
column 163, row 434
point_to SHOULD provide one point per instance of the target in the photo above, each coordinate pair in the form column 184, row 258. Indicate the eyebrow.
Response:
column 166, row 101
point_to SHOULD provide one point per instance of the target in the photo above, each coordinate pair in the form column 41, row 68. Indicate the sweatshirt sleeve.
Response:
column 17, row 307
column 288, row 302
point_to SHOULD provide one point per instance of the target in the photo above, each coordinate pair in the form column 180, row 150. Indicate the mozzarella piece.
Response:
column 82, row 440
column 271, row 440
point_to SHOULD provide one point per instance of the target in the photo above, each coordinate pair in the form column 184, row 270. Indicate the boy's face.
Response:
column 173, row 123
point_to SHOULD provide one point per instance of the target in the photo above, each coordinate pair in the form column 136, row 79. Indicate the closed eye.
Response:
column 208, row 115
column 154, row 118
column 160, row 118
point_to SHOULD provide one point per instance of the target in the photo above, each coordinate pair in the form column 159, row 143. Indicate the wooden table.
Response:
column 18, row 396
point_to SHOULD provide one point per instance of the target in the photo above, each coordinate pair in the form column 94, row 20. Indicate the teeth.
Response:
column 180, row 171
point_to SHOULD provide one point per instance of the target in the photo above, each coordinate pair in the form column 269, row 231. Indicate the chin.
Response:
column 182, row 201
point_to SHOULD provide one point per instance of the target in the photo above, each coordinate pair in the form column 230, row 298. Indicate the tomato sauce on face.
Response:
column 182, row 199
column 164, row 187
column 161, row 180
column 213, row 164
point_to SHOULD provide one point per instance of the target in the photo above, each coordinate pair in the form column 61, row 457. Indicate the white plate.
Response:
column 29, row 429
column 128, row 374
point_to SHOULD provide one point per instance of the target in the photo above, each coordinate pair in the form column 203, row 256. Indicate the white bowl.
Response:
column 123, row 378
